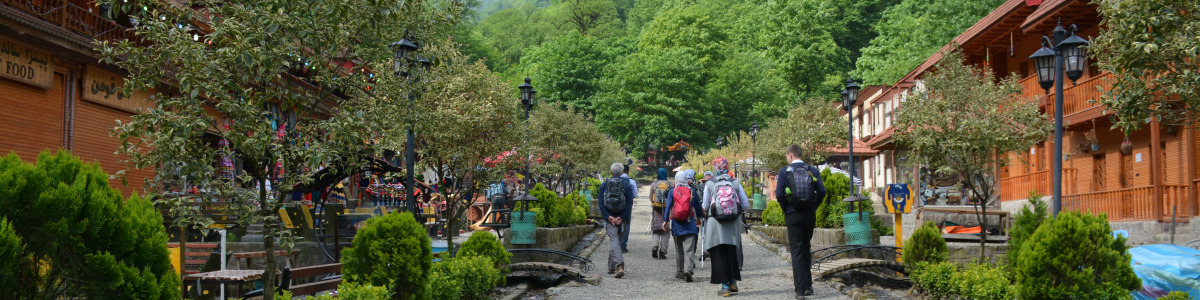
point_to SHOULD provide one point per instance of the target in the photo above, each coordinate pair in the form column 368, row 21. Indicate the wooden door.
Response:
column 1098, row 173
column 1126, row 171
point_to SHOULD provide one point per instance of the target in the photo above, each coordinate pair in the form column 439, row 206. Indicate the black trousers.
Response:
column 724, row 264
column 800, row 230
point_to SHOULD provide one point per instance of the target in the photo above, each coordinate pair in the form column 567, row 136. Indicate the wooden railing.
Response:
column 1131, row 204
column 1030, row 87
column 74, row 18
column 1076, row 98
column 1018, row 187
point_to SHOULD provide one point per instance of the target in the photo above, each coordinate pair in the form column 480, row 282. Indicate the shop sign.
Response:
column 23, row 63
column 104, row 87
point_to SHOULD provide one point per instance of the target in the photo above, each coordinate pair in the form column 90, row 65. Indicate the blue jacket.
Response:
column 781, row 183
column 629, row 195
column 689, row 227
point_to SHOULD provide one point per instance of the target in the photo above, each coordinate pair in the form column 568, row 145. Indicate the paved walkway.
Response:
column 765, row 275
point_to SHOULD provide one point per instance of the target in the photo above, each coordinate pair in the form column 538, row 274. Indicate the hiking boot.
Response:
column 799, row 297
column 620, row 272
column 733, row 287
column 687, row 276
column 808, row 292
column 724, row 292
column 654, row 253
column 678, row 275
column 662, row 255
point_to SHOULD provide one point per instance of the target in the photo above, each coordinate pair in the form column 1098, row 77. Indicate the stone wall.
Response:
column 822, row 237
column 967, row 253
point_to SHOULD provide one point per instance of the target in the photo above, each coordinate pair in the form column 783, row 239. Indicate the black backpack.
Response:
column 614, row 195
column 803, row 186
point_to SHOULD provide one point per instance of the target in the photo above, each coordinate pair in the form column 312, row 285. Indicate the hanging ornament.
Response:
column 1126, row 146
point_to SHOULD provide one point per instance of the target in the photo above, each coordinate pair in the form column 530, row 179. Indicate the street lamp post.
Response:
column 753, row 159
column 1061, row 53
column 849, row 97
column 527, row 93
column 404, row 64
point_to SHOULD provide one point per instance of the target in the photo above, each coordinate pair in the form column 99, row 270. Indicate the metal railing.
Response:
column 80, row 20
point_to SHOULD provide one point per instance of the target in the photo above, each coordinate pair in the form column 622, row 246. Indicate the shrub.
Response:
column 935, row 279
column 1024, row 224
column 87, row 239
column 1176, row 295
column 1074, row 256
column 837, row 187
column 944, row 280
column 392, row 250
column 773, row 215
column 925, row 245
column 482, row 243
column 353, row 291
column 555, row 211
column 463, row 277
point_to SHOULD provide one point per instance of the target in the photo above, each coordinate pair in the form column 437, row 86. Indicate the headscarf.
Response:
column 662, row 174
column 720, row 165
column 684, row 177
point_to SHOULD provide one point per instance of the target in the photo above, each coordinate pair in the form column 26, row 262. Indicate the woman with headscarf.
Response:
column 684, row 228
column 658, row 225
column 723, row 239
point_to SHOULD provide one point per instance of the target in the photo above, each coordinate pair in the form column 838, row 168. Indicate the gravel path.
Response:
column 765, row 276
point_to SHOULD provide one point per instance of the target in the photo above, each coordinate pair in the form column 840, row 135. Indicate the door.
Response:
column 1098, row 174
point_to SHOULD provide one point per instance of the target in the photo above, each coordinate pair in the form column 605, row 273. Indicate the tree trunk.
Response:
column 268, row 242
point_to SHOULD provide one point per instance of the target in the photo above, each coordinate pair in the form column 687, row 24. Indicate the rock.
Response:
column 837, row 280
column 840, row 287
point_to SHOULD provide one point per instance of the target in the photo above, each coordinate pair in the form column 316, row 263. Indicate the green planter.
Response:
column 858, row 231
column 523, row 228
column 760, row 202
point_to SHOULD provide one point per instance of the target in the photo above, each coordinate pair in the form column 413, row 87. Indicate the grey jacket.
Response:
column 728, row 233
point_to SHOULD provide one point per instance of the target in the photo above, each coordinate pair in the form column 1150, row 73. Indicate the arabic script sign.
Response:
column 23, row 63
column 104, row 87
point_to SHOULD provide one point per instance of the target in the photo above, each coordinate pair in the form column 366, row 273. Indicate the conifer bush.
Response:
column 773, row 215
column 925, row 245
column 67, row 234
column 1024, row 224
column 392, row 250
column 482, row 243
column 1075, row 256
column 463, row 277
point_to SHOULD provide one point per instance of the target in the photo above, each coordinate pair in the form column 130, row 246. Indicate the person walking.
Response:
column 724, row 200
column 660, row 190
column 800, row 191
column 625, row 226
column 616, row 204
column 683, row 217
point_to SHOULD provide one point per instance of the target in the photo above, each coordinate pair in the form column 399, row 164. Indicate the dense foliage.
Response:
column 65, row 233
column 925, row 245
column 837, row 187
column 1025, row 223
column 773, row 215
column 961, row 138
column 555, row 211
column 911, row 31
column 487, row 245
column 463, row 277
column 1075, row 256
column 349, row 291
column 945, row 280
column 1150, row 46
column 392, row 250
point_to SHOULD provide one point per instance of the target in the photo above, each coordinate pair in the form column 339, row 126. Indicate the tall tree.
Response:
column 655, row 98
column 567, row 70
column 814, row 124
column 802, row 41
column 239, row 84
column 1151, row 48
column 569, row 144
column 912, row 31
column 689, row 29
column 961, row 123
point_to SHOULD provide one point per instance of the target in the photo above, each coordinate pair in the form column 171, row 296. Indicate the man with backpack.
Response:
column 659, row 191
column 616, row 204
column 625, row 227
column 724, row 200
column 683, row 214
column 800, row 191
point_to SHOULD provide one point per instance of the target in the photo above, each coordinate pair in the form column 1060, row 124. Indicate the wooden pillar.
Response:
column 1189, row 135
column 1156, row 169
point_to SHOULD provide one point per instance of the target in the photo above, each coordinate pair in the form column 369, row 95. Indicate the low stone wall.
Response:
column 967, row 253
column 822, row 237
column 560, row 238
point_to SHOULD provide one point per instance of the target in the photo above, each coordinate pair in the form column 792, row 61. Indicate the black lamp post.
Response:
column 403, row 64
column 1061, row 53
column 849, row 97
column 527, row 93
column 753, row 144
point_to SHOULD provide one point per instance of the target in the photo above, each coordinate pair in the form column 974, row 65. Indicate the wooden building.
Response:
column 1158, row 171
column 54, row 94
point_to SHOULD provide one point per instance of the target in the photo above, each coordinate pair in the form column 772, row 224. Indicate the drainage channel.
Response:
column 533, row 285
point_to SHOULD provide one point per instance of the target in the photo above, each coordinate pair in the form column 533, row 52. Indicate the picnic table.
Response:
column 1003, row 215
column 223, row 277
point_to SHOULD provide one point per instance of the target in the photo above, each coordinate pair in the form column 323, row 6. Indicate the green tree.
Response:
column 911, row 31
column 1075, row 256
column 510, row 31
column 240, row 82
column 654, row 98
column 801, row 38
column 569, row 141
column 65, row 233
column 925, row 246
column 392, row 250
column 1150, row 46
column 689, row 29
column 814, row 124
column 1025, row 223
column 598, row 18
column 961, row 119
column 568, row 69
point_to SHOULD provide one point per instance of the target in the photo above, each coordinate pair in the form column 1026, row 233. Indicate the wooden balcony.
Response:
column 84, row 21
column 1131, row 204
column 1018, row 187
column 1078, row 99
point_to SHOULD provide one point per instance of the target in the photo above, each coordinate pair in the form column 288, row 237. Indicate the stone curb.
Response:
column 768, row 243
